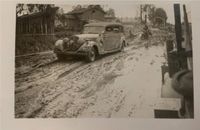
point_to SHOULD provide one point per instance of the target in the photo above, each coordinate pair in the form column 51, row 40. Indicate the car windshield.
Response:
column 93, row 29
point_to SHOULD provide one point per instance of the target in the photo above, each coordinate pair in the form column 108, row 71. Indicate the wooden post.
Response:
column 20, row 27
column 178, row 57
column 46, row 31
column 187, row 30
column 41, row 28
column 45, row 25
column 29, row 26
column 188, row 39
column 26, row 26
column 178, row 28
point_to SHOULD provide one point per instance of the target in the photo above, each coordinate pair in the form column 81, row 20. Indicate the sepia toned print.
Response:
column 103, row 61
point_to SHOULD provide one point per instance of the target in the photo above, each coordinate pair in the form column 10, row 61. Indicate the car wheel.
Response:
column 60, row 56
column 91, row 55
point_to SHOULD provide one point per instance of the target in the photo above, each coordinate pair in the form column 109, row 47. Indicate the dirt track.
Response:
column 124, row 84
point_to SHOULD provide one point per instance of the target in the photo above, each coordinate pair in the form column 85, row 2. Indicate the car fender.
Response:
column 91, row 43
column 59, row 45
column 88, row 45
column 98, row 45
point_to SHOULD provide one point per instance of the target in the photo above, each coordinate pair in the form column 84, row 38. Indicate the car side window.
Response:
column 109, row 29
column 114, row 29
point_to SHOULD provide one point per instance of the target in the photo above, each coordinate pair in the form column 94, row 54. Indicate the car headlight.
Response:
column 59, row 44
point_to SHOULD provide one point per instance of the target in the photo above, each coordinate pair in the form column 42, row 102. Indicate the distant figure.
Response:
column 145, row 35
column 130, row 34
column 146, row 32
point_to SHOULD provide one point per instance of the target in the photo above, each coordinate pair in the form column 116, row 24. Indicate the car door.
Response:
column 111, row 38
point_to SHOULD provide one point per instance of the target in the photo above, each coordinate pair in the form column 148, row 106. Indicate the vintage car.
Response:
column 97, row 39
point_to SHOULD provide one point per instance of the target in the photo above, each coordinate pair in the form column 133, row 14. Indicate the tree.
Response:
column 149, row 10
column 160, row 16
column 61, row 16
column 30, row 8
column 151, row 14
column 19, row 9
column 77, row 7
column 154, row 15
column 110, row 12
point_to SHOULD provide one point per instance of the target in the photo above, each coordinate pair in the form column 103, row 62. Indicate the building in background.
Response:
column 78, row 17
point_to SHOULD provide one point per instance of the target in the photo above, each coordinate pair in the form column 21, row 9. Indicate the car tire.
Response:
column 91, row 56
column 60, row 56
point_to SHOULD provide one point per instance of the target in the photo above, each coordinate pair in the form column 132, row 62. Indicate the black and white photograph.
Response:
column 109, row 60
column 99, row 65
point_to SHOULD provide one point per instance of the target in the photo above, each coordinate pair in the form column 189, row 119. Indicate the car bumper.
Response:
column 73, row 53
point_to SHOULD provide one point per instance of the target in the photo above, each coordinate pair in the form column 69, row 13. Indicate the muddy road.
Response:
column 124, row 84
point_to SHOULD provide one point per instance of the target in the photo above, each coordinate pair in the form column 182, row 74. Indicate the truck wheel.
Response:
column 91, row 55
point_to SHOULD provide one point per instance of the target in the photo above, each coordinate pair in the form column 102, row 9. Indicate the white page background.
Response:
column 7, row 68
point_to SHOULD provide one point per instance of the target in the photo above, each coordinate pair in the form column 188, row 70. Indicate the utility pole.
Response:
column 188, row 39
column 178, row 28
column 141, row 13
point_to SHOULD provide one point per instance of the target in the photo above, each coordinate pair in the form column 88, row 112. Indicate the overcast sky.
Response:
column 130, row 9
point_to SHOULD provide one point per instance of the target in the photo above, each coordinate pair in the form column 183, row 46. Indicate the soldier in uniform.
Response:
column 145, row 35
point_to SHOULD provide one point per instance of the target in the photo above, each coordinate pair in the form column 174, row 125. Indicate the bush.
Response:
column 26, row 44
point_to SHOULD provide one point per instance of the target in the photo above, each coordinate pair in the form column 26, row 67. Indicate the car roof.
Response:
column 103, row 24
